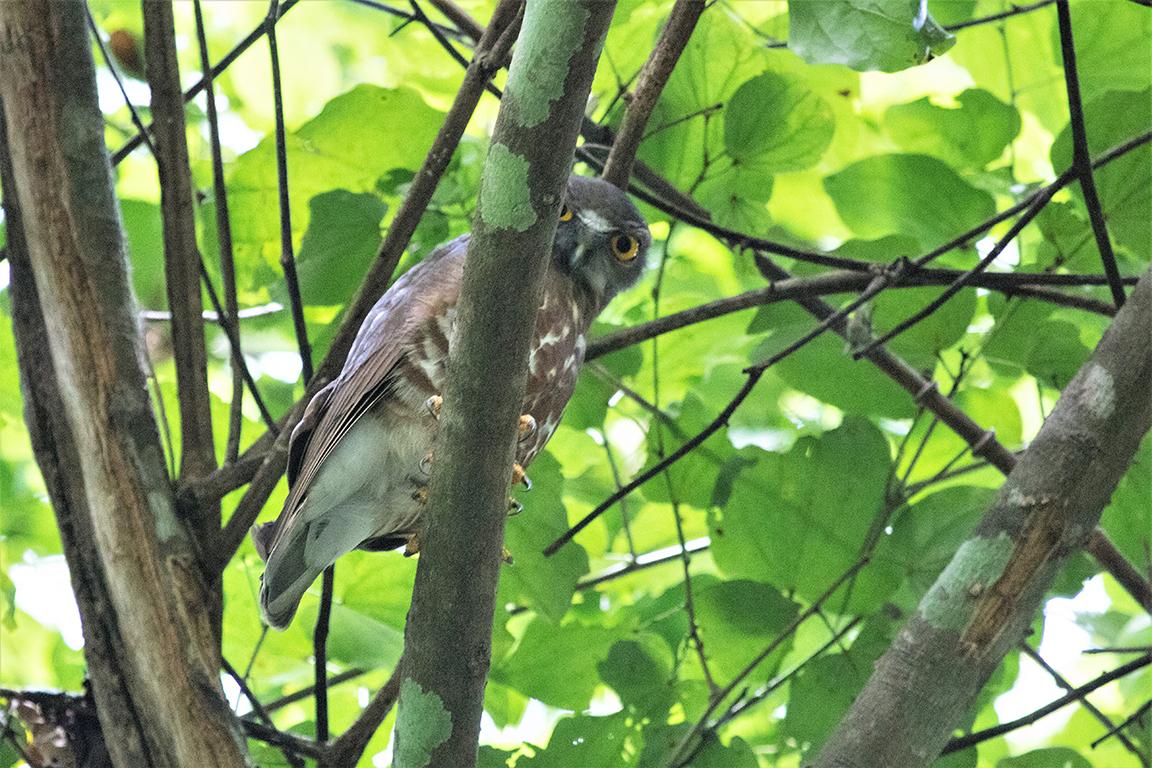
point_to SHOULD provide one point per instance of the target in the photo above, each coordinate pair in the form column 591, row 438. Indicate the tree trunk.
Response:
column 138, row 581
column 984, row 601
column 448, row 637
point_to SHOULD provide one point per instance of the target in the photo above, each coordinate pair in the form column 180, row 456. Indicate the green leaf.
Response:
column 1057, row 354
column 355, row 639
column 532, row 667
column 1128, row 518
column 907, row 194
column 820, row 696
column 339, row 246
column 1050, row 757
column 144, row 230
column 640, row 671
column 970, row 135
column 736, row 197
column 866, row 35
column 774, row 123
column 582, row 741
column 737, row 621
column 544, row 584
column 920, row 344
column 797, row 525
column 1125, row 193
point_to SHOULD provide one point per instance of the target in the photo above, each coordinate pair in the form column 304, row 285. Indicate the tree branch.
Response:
column 153, row 600
column 1081, row 155
column 673, row 38
column 982, row 603
column 448, row 635
column 181, row 252
column 348, row 749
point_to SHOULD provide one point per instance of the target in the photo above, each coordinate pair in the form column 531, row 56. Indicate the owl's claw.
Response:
column 514, row 507
column 412, row 547
column 518, row 476
column 426, row 464
column 527, row 428
column 434, row 404
column 505, row 556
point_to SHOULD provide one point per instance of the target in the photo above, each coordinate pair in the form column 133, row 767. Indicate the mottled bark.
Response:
column 138, row 585
column 448, row 637
column 982, row 604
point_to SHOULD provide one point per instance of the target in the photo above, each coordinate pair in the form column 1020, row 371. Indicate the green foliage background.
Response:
column 801, row 146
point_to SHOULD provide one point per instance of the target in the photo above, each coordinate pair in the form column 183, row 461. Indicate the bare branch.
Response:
column 673, row 38
column 181, row 252
column 348, row 749
column 1081, row 155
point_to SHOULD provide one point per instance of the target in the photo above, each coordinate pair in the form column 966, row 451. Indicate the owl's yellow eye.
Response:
column 625, row 247
column 565, row 213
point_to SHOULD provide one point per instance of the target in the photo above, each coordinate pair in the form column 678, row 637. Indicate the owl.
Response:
column 359, row 460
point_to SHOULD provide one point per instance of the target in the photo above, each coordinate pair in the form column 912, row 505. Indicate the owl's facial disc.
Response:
column 601, row 239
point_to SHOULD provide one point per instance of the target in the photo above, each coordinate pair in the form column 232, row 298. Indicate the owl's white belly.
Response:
column 365, row 487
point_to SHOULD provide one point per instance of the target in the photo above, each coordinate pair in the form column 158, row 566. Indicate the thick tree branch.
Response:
column 448, row 636
column 982, row 603
column 181, row 252
column 154, row 601
column 673, row 38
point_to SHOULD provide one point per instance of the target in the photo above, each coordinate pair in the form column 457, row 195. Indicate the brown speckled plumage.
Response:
column 354, row 465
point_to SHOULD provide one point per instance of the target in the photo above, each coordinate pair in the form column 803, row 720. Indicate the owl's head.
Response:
column 601, row 240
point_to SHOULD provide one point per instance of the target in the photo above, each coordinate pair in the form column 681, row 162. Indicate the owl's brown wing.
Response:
column 369, row 375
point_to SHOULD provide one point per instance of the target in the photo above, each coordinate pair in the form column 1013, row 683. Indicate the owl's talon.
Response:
column 527, row 427
column 420, row 495
column 426, row 464
column 514, row 507
column 519, row 477
column 412, row 547
column 506, row 556
column 434, row 404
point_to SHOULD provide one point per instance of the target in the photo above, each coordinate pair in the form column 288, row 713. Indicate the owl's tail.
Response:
column 287, row 575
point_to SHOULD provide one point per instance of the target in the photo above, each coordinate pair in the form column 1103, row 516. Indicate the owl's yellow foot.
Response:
column 526, row 430
column 413, row 545
column 505, row 556
column 519, row 477
column 434, row 404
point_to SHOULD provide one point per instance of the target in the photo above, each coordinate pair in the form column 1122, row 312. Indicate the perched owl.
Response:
column 359, row 460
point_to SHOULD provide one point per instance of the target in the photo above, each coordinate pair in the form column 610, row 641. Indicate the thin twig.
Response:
column 750, row 667
column 111, row 64
column 1081, row 154
column 289, row 754
column 1061, row 681
column 198, row 86
column 223, row 236
column 348, row 749
column 1076, row 694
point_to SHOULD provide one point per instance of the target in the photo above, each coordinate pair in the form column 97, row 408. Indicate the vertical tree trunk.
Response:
column 448, row 637
column 983, row 602
column 140, row 588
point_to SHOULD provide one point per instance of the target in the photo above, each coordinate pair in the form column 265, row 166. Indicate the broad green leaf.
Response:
column 640, row 671
column 1124, row 186
column 1057, row 354
column 800, row 527
column 1113, row 46
column 145, row 233
column 1049, row 757
column 544, row 584
column 532, row 667
column 972, row 134
column 1128, row 518
column 915, row 195
column 820, row 696
column 920, row 344
column 355, row 639
column 341, row 240
column 582, row 741
column 737, row 197
column 866, row 35
column 737, row 621
column 825, row 370
column 774, row 123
